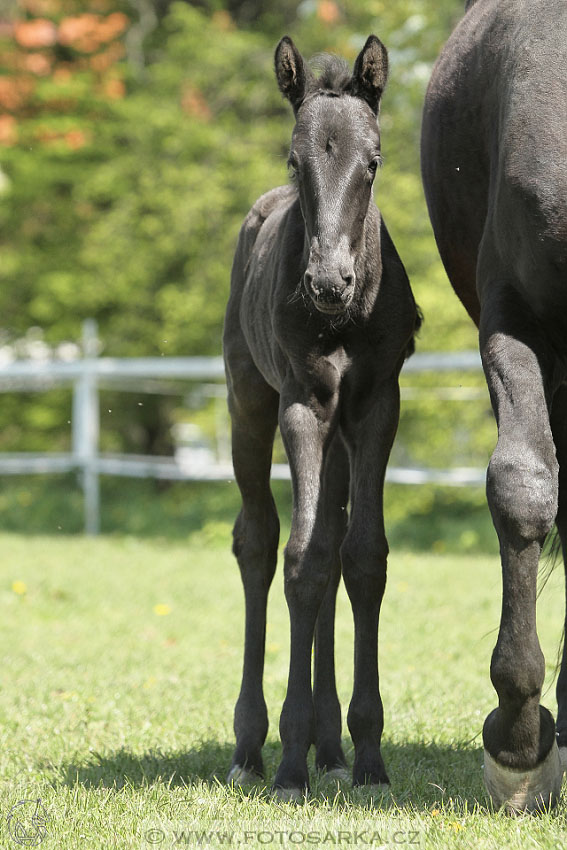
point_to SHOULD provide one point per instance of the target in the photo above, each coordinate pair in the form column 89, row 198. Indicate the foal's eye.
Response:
column 373, row 164
column 293, row 165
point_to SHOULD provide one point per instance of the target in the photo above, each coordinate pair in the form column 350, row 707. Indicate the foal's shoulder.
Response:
column 253, row 232
column 267, row 204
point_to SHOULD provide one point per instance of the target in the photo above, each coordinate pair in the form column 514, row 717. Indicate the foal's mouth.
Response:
column 331, row 297
column 331, row 308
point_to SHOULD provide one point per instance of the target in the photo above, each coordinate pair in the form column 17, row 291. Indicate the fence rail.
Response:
column 91, row 372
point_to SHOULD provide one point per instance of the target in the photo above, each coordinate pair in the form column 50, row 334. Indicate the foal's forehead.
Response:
column 343, row 119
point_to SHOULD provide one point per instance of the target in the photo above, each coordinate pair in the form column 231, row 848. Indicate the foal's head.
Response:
column 335, row 151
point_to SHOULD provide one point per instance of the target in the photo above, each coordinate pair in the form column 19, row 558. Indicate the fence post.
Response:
column 85, row 425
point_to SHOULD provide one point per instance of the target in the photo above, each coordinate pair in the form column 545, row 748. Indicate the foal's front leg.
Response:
column 306, row 434
column 254, row 408
column 364, row 554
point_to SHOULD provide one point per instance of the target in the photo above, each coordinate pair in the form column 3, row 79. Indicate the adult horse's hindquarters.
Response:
column 319, row 321
column 494, row 163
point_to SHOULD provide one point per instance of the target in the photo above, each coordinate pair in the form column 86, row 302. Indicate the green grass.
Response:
column 117, row 714
column 421, row 518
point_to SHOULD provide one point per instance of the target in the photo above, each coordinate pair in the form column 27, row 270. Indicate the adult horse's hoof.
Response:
column 519, row 791
column 290, row 795
column 374, row 790
column 238, row 775
column 563, row 758
column 336, row 774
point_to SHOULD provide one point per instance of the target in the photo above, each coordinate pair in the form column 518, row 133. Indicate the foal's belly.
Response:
column 259, row 333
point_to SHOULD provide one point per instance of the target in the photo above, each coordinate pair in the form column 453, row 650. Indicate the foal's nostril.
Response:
column 348, row 279
column 308, row 279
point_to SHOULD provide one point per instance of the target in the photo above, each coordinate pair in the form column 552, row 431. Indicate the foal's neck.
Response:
column 368, row 262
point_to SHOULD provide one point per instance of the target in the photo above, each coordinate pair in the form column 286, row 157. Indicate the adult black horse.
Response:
column 494, row 164
column 319, row 321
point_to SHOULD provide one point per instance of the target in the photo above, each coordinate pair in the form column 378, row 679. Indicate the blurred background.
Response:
column 134, row 137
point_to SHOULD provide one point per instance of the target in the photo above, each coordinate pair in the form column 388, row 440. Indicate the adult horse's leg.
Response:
column 521, row 757
column 364, row 555
column 306, row 435
column 329, row 754
column 253, row 406
column 559, row 428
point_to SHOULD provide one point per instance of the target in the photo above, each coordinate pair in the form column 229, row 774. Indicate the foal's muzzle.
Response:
column 330, row 291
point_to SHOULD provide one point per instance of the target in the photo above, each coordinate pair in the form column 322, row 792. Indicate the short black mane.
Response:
column 334, row 74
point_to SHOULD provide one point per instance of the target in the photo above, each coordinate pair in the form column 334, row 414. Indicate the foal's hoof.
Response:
column 238, row 775
column 519, row 791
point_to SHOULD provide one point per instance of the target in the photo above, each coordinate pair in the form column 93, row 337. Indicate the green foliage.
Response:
column 128, row 207
column 418, row 519
column 123, row 188
column 192, row 147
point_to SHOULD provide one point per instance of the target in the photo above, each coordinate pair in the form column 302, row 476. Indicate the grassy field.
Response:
column 445, row 519
column 121, row 665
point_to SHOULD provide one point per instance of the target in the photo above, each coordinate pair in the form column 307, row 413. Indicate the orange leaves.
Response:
column 74, row 139
column 14, row 92
column 101, row 62
column 35, row 34
column 43, row 80
column 79, row 33
column 8, row 130
column 193, row 103
column 41, row 7
column 114, row 88
column 223, row 21
column 36, row 63
column 88, row 32
column 328, row 12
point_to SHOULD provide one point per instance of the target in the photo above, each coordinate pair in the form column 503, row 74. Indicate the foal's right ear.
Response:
column 291, row 72
column 370, row 73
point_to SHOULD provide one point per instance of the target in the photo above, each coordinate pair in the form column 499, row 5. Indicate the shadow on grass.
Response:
column 422, row 774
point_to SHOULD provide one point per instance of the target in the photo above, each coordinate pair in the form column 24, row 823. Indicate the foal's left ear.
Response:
column 370, row 73
column 291, row 72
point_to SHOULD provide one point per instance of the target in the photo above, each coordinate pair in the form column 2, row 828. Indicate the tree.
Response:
column 134, row 138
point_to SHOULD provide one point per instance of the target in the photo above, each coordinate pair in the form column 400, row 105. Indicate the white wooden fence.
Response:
column 90, row 371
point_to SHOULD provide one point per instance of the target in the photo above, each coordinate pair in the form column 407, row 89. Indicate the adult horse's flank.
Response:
column 494, row 162
column 319, row 321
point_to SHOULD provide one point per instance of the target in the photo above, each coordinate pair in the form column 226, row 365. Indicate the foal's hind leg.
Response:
column 329, row 754
column 253, row 406
column 521, row 757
